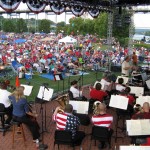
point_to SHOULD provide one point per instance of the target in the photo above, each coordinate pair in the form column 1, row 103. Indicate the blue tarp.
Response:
column 20, row 41
column 3, row 37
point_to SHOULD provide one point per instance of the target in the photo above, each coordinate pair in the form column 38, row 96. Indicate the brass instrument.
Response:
column 95, row 106
column 63, row 100
column 137, row 108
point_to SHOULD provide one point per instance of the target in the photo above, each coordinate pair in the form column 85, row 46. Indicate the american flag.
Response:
column 65, row 121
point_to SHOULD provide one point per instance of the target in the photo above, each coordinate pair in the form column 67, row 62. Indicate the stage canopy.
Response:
column 68, row 40
column 77, row 7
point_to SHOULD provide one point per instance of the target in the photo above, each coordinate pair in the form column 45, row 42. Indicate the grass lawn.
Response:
column 37, row 81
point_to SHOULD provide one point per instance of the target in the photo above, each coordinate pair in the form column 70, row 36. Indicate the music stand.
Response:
column 27, row 89
column 45, row 94
column 58, row 77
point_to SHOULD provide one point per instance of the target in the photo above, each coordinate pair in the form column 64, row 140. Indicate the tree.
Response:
column 21, row 26
column 44, row 26
column 8, row 25
column 100, row 25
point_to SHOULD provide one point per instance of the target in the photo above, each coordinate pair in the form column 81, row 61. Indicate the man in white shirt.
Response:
column 126, row 67
column 74, row 89
column 4, row 100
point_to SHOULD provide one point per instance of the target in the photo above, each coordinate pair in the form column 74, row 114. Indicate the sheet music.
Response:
column 138, row 91
column 126, row 79
column 138, row 127
column 27, row 89
column 47, row 93
column 134, row 148
column 142, row 99
column 57, row 77
column 148, row 84
column 118, row 101
column 81, row 107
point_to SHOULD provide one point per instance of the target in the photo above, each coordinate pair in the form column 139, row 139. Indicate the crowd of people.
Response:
column 51, row 56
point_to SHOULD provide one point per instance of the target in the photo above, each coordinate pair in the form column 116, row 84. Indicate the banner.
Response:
column 36, row 8
column 9, row 6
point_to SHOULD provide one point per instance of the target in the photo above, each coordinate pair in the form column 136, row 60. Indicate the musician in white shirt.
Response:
column 74, row 89
column 5, row 100
column 126, row 67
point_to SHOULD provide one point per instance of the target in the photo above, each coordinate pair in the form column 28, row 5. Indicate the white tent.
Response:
column 68, row 40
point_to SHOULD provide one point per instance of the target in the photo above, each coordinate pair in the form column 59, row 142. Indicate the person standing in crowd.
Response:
column 21, row 112
column 126, row 67
column 134, row 59
column 102, row 119
column 7, row 103
column 65, row 120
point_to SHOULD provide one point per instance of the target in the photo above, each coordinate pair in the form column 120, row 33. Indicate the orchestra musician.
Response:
column 120, row 86
column 144, row 113
column 22, row 114
column 7, row 103
column 76, row 91
column 98, row 94
column 65, row 120
column 101, row 118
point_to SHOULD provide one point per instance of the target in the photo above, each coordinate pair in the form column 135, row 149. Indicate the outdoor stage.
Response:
column 6, row 141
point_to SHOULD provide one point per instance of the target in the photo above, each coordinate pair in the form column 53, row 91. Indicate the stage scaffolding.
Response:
column 109, row 38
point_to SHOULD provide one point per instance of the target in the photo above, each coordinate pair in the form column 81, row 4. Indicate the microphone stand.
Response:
column 43, row 146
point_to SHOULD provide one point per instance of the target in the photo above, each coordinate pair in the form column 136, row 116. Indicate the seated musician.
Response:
column 98, row 94
column 7, row 103
column 65, row 120
column 101, row 118
column 142, row 114
column 120, row 86
column 105, row 81
column 131, row 100
column 77, row 93
column 21, row 112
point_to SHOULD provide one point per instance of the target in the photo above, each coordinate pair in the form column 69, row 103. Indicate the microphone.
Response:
column 45, row 86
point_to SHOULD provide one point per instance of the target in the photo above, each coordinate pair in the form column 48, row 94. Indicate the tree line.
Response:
column 76, row 26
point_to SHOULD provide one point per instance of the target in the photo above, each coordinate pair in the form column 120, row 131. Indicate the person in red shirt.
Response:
column 142, row 114
column 97, row 94
column 131, row 100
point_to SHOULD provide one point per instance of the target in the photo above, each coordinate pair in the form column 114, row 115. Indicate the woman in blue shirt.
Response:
column 21, row 112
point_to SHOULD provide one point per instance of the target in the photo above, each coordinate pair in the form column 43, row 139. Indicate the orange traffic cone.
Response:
column 17, row 81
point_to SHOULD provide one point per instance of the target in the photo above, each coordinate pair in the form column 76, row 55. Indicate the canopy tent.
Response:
column 20, row 41
column 67, row 40
column 47, row 39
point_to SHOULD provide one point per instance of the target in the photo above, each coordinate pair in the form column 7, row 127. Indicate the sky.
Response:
column 141, row 20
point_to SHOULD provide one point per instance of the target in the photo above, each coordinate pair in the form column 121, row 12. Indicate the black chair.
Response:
column 63, row 137
column 72, row 98
column 101, row 134
column 70, row 95
column 122, row 115
column 2, row 116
